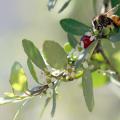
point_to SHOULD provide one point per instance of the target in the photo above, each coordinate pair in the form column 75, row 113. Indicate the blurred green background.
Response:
column 31, row 19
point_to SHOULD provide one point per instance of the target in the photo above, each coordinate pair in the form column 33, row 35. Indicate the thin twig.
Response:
column 100, row 49
column 20, row 109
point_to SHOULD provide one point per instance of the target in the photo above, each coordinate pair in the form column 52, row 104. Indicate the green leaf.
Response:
column 32, row 70
column 72, row 40
column 99, row 79
column 115, row 38
column 90, row 49
column 88, row 89
column 114, row 3
column 78, row 74
column 112, row 52
column 67, row 47
column 74, row 27
column 33, row 54
column 54, row 100
column 18, row 79
column 86, row 55
column 107, row 31
column 64, row 6
column 98, row 57
column 55, row 55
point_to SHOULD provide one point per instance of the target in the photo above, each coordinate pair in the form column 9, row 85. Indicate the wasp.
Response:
column 106, row 19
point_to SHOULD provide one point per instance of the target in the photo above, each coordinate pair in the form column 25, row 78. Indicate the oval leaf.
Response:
column 72, row 40
column 86, row 54
column 99, row 79
column 88, row 89
column 74, row 27
column 98, row 57
column 33, row 54
column 115, row 38
column 67, row 47
column 18, row 79
column 32, row 70
column 54, row 99
column 55, row 55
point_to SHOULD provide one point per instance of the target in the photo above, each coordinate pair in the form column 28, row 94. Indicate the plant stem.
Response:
column 100, row 49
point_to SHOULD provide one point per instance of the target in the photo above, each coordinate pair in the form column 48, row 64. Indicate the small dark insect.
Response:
column 106, row 19
column 38, row 90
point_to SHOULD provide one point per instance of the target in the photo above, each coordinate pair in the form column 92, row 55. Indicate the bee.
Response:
column 106, row 19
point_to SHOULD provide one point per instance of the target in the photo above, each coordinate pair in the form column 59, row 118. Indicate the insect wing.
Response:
column 112, row 11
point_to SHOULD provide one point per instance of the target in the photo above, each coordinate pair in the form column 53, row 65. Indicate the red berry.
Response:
column 85, row 40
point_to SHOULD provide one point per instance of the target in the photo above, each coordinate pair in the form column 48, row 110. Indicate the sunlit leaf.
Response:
column 64, row 6
column 33, row 54
column 51, row 4
column 67, row 47
column 78, row 74
column 88, row 89
column 74, row 27
column 98, row 57
column 72, row 40
column 18, row 79
column 32, row 70
column 55, row 55
column 99, row 79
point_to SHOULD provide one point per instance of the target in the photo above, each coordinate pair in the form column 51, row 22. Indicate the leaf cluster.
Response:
column 63, row 64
